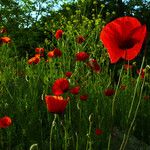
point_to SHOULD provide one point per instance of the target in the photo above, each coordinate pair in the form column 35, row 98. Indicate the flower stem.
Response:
column 126, row 137
column 51, row 130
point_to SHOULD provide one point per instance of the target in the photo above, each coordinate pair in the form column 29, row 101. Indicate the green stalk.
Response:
column 126, row 137
column 137, row 83
column 113, row 105
column 77, row 141
column 51, row 131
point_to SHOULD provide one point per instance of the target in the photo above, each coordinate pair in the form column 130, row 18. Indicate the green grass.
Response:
column 23, row 87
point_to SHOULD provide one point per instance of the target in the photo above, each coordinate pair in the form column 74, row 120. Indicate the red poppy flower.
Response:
column 109, row 92
column 80, row 39
column 3, row 30
column 5, row 122
column 55, row 53
column 82, row 56
column 60, row 86
column 146, row 97
column 142, row 73
column 5, row 39
column 34, row 60
column 75, row 90
column 123, row 38
column 68, row 74
column 56, row 104
column 58, row 34
column 39, row 50
column 92, row 63
column 98, row 132
column 84, row 97
column 123, row 87
column 127, row 66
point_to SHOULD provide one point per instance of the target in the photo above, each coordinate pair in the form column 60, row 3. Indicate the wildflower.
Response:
column 56, row 104
column 5, row 122
column 39, row 50
column 34, row 60
column 75, row 90
column 82, row 56
column 123, row 38
column 55, row 53
column 3, row 30
column 146, row 97
column 60, row 86
column 142, row 75
column 5, row 39
column 80, row 39
column 58, row 34
column 92, row 63
column 123, row 87
column 68, row 74
column 84, row 97
column 109, row 92
column 127, row 67
column 98, row 132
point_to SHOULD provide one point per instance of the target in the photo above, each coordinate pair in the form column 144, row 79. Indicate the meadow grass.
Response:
column 24, row 86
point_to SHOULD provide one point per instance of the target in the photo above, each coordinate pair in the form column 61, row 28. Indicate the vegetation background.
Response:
column 33, row 23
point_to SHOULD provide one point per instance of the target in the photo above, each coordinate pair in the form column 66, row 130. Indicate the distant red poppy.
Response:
column 92, row 63
column 127, row 66
column 5, row 122
column 82, row 56
column 109, row 92
column 58, row 34
column 80, row 39
column 142, row 73
column 75, row 90
column 146, row 97
column 34, row 60
column 39, row 50
column 3, row 30
column 60, row 86
column 98, row 132
column 123, row 38
column 68, row 74
column 5, row 39
column 55, row 53
column 84, row 97
column 123, row 87
column 56, row 104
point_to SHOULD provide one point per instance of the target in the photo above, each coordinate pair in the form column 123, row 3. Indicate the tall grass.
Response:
column 24, row 86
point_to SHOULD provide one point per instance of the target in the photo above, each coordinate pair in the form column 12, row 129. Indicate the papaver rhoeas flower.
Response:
column 142, row 75
column 82, row 56
column 127, row 66
column 123, row 38
column 34, row 60
column 39, row 50
column 98, row 132
column 75, row 90
column 5, row 39
column 58, row 34
column 109, row 92
column 68, row 74
column 3, row 30
column 84, row 97
column 92, row 63
column 55, row 53
column 123, row 87
column 146, row 97
column 60, row 86
column 56, row 104
column 80, row 39
column 5, row 122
